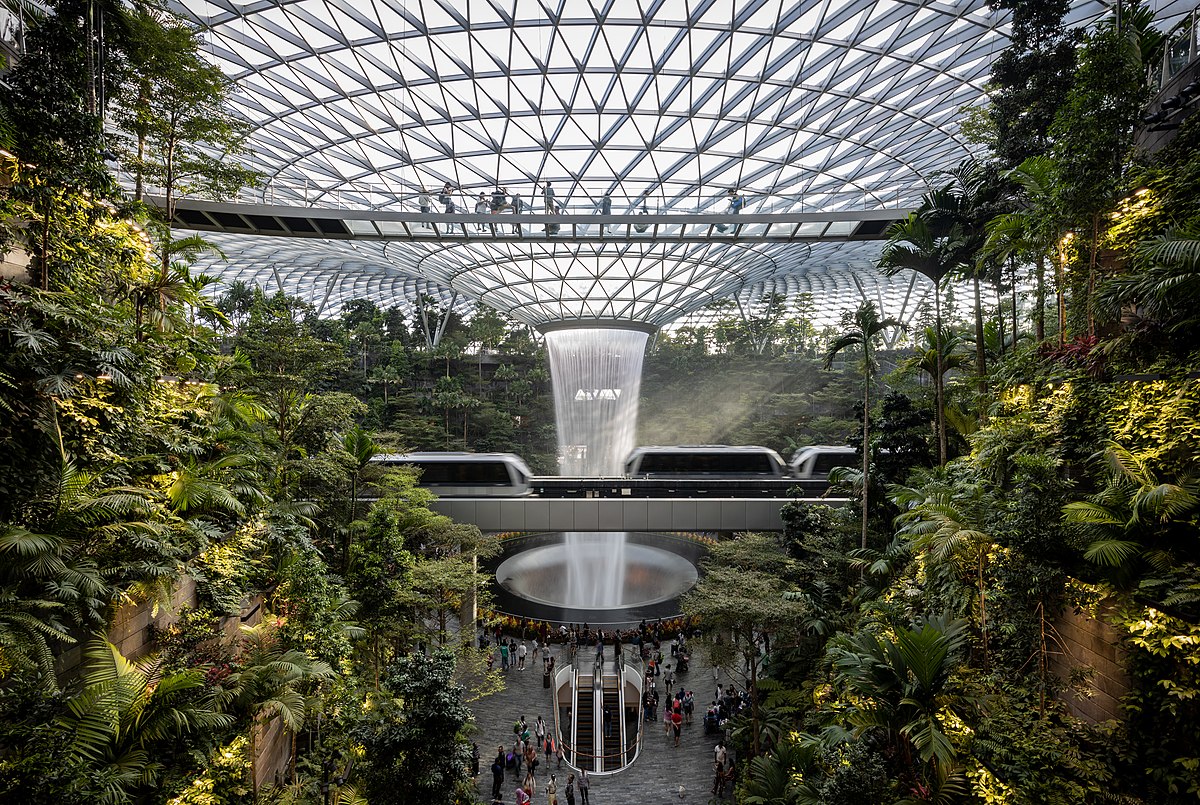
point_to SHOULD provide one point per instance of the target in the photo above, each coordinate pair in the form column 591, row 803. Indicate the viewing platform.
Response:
column 666, row 227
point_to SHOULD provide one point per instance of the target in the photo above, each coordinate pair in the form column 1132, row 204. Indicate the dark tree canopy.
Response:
column 1031, row 78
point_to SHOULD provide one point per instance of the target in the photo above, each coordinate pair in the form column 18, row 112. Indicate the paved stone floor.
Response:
column 655, row 777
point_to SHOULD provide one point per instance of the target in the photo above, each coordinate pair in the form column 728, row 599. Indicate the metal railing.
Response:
column 626, row 754
column 354, row 195
column 1178, row 51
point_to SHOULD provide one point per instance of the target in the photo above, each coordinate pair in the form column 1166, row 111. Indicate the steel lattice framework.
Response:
column 661, row 104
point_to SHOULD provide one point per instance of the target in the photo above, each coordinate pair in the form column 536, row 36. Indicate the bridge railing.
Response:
column 529, row 199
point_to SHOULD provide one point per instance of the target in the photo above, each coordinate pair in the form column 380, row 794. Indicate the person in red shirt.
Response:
column 676, row 722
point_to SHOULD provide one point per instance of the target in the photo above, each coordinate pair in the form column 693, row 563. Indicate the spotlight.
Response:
column 1174, row 102
column 1190, row 90
column 1154, row 117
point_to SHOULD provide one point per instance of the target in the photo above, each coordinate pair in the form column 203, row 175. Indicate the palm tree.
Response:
column 361, row 448
column 1030, row 232
column 864, row 329
column 916, row 246
column 936, row 353
column 268, row 684
column 976, row 194
column 126, row 713
column 945, row 522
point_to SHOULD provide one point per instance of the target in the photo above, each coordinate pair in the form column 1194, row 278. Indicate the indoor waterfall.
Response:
column 596, row 373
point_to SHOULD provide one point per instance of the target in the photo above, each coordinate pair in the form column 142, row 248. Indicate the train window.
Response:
column 455, row 473
column 672, row 462
column 828, row 461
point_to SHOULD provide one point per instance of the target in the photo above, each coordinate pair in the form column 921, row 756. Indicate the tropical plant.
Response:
column 945, row 523
column 268, row 683
column 932, row 250
column 1167, row 289
column 1031, row 232
column 1139, row 527
column 126, row 714
column 863, row 328
column 416, row 751
column 899, row 686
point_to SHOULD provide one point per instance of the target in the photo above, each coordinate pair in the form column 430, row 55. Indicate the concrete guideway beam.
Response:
column 620, row 514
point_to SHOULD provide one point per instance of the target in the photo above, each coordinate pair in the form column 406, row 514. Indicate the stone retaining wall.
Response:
column 1089, row 651
column 132, row 633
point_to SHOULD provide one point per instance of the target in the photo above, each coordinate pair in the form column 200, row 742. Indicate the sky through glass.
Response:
column 800, row 104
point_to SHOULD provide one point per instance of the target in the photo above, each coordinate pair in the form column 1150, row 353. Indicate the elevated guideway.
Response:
column 730, row 514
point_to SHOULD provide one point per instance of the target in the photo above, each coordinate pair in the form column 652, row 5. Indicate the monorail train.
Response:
column 707, row 460
column 815, row 462
column 471, row 475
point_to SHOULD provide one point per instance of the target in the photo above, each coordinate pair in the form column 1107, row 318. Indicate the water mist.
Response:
column 597, row 375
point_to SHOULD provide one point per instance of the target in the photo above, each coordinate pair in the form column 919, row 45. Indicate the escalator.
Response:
column 613, row 759
column 585, row 723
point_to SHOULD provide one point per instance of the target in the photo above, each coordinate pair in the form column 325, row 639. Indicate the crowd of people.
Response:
column 665, row 651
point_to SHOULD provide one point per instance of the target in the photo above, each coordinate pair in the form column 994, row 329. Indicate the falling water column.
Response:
column 597, row 375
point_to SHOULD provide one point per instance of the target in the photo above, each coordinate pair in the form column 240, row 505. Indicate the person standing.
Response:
column 606, row 209
column 718, row 778
column 425, row 202
column 584, row 784
column 676, row 723
column 551, row 792
column 548, row 199
column 481, row 208
column 522, row 650
column 446, row 198
column 497, row 774
column 539, row 730
column 608, row 721
column 736, row 202
column 570, row 789
column 504, row 656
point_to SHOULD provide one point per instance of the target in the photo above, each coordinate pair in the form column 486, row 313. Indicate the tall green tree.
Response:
column 932, row 250
column 742, row 603
column 1031, row 232
column 180, row 138
column 1093, row 132
column 416, row 748
column 1031, row 78
column 863, row 329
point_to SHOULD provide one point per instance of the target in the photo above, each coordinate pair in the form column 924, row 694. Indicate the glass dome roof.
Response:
column 801, row 105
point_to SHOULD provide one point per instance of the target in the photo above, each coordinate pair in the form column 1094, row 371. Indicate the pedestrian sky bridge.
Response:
column 385, row 225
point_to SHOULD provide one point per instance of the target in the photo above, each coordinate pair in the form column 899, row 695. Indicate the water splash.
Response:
column 597, row 376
